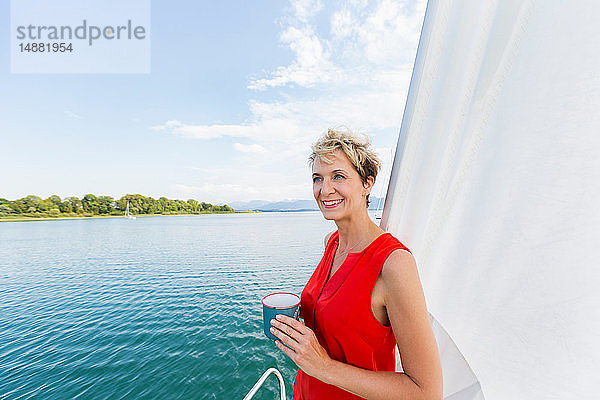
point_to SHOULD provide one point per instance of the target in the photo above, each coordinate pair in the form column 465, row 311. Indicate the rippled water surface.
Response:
column 159, row 307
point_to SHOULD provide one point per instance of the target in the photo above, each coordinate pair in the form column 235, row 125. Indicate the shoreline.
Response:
column 24, row 219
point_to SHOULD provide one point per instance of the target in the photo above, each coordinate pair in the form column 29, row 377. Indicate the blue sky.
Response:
column 237, row 93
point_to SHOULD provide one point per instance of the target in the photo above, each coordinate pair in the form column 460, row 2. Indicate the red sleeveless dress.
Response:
column 339, row 312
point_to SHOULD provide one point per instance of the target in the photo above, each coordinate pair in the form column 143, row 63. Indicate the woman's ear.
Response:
column 368, row 185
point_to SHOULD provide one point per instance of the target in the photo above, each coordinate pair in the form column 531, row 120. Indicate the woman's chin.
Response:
column 328, row 214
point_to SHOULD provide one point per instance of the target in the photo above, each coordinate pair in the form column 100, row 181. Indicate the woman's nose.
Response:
column 327, row 187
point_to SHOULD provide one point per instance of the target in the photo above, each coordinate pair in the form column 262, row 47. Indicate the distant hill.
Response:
column 288, row 205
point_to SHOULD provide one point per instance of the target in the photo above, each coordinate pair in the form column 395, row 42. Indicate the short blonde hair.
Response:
column 357, row 148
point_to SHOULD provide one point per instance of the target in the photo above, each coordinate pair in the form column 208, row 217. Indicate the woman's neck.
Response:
column 357, row 233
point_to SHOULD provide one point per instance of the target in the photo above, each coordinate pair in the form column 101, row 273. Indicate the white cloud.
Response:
column 219, row 193
column 311, row 65
column 358, row 67
column 300, row 121
column 212, row 188
column 364, row 41
column 208, row 170
column 303, row 9
column 73, row 115
column 166, row 126
column 342, row 24
column 359, row 4
column 249, row 148
column 200, row 132
column 390, row 32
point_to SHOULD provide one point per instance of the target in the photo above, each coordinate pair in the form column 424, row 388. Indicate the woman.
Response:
column 363, row 298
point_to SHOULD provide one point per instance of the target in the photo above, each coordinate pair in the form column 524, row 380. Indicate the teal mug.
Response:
column 279, row 303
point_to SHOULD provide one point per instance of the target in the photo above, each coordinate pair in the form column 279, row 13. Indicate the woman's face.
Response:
column 337, row 187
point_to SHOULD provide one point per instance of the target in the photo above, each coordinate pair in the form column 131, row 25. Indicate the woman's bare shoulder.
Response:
column 400, row 269
column 398, row 258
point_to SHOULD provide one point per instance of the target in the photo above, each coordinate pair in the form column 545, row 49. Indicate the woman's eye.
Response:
column 316, row 179
column 338, row 176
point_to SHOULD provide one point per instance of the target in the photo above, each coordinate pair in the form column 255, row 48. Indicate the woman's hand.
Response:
column 306, row 351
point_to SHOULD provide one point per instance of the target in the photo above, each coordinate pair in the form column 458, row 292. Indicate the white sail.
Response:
column 495, row 188
column 128, row 213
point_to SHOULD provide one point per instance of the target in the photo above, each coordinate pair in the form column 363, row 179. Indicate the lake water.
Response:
column 159, row 307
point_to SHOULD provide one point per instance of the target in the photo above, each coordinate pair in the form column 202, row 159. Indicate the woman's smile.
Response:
column 332, row 203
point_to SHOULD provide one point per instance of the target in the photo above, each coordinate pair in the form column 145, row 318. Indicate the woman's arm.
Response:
column 374, row 384
column 406, row 309
column 405, row 304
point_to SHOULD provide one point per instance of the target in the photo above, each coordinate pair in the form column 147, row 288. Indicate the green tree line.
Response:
column 89, row 205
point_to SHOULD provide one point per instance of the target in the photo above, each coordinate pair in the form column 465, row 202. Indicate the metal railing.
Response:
column 262, row 379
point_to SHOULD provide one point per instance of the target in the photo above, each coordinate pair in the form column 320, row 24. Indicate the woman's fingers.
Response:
column 299, row 343
column 286, row 344
column 284, row 336
column 297, row 325
column 289, row 352
column 284, row 332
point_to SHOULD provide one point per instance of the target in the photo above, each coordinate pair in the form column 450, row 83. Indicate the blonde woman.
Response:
column 364, row 298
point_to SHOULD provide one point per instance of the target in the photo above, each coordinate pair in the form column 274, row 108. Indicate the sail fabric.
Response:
column 495, row 188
